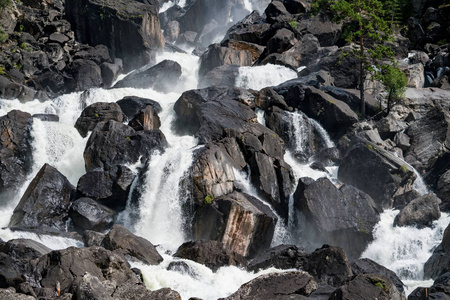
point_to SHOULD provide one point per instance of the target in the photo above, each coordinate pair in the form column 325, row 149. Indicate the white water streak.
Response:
column 263, row 76
column 404, row 250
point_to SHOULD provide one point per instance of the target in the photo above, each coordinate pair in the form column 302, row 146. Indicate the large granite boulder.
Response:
column 344, row 217
column 96, row 113
column 280, row 257
column 429, row 137
column 439, row 262
column 217, row 56
column 46, row 201
column 277, row 286
column 420, row 212
column 88, row 214
column 367, row 167
column 334, row 115
column 112, row 144
column 241, row 222
column 212, row 254
column 69, row 266
column 160, row 77
column 443, row 191
column 107, row 188
column 368, row 266
column 120, row 240
column 368, row 286
column 130, row 30
column 131, row 105
column 15, row 150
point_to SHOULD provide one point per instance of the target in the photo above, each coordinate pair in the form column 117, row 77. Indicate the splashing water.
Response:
column 262, row 76
column 404, row 250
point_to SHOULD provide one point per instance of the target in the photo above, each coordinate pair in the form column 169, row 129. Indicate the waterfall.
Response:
column 259, row 77
column 404, row 250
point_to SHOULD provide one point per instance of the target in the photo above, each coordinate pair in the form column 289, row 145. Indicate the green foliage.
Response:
column 208, row 199
column 395, row 81
column 403, row 169
column 364, row 24
column 2, row 70
column 26, row 47
column 293, row 24
column 4, row 3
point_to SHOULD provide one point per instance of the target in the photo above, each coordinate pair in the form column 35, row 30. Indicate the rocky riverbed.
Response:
column 208, row 131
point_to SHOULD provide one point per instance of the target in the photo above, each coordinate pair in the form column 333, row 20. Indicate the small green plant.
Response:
column 3, row 35
column 26, row 47
column 403, row 169
column 21, row 27
column 128, row 138
column 293, row 24
column 380, row 283
column 96, row 115
column 2, row 70
column 208, row 199
column 17, row 66
column 370, row 147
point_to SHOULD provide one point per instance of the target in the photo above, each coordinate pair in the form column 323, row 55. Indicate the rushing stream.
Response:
column 402, row 249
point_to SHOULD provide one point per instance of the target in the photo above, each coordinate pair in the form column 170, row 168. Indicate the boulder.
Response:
column 217, row 56
column 267, row 97
column 251, row 29
column 277, row 286
column 282, row 41
column 212, row 172
column 110, row 72
column 367, row 167
column 344, row 217
column 92, row 238
column 120, row 240
column 69, row 266
column 220, row 76
column 277, row 12
column 96, row 113
column 328, row 265
column 112, row 143
column 15, row 150
column 415, row 74
column 400, row 201
column 368, row 286
column 421, row 212
column 443, row 191
column 368, row 266
column 219, row 112
column 322, row 27
column 10, row 294
column 131, row 105
column 108, row 188
column 131, row 31
column 46, row 201
column 334, row 115
column 254, row 49
column 86, row 73
column 10, row 272
column 161, row 77
column 146, row 119
column 280, row 257
column 429, row 135
column 212, row 254
column 439, row 262
column 87, row 214
column 98, row 54
column 241, row 222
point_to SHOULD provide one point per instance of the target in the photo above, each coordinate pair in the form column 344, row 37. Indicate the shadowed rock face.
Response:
column 45, row 202
column 277, row 286
column 368, row 167
column 15, row 150
column 212, row 254
column 130, row 30
column 344, row 217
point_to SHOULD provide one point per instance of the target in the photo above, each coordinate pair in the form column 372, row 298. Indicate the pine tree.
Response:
column 364, row 24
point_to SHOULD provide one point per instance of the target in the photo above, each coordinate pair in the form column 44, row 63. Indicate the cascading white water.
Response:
column 404, row 250
column 263, row 76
